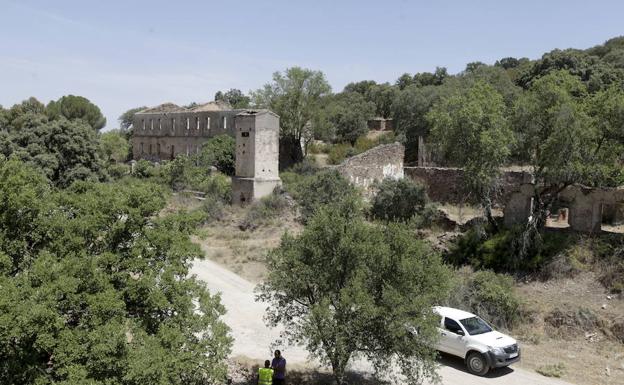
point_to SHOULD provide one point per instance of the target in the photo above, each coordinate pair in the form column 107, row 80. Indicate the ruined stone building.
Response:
column 257, row 155
column 165, row 131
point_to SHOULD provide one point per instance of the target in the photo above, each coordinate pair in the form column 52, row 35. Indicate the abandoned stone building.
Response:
column 168, row 130
column 257, row 154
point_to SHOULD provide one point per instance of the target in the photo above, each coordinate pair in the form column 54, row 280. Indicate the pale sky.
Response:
column 123, row 54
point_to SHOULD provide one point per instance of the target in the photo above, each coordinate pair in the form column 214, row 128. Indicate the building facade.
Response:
column 165, row 131
column 257, row 155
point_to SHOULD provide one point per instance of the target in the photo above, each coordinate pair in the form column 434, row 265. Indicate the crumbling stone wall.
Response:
column 586, row 206
column 447, row 184
column 374, row 165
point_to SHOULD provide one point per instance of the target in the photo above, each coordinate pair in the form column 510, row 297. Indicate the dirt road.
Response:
column 254, row 340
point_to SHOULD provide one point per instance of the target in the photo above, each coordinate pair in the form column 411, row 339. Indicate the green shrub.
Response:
column 340, row 152
column 503, row 251
column 487, row 294
column 213, row 207
column 118, row 170
column 217, row 185
column 306, row 167
column 264, row 210
column 143, row 169
column 364, row 143
column 318, row 148
column 398, row 200
column 321, row 189
column 219, row 152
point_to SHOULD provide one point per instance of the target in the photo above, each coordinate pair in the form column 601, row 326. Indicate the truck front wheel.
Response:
column 477, row 364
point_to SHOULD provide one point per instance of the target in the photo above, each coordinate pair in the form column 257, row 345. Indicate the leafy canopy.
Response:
column 345, row 289
column 96, row 288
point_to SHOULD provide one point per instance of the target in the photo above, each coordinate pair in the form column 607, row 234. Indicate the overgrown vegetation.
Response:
column 320, row 189
column 96, row 287
column 488, row 294
column 265, row 210
column 346, row 288
column 398, row 200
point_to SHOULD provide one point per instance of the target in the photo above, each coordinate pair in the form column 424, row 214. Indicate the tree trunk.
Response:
column 289, row 151
column 338, row 368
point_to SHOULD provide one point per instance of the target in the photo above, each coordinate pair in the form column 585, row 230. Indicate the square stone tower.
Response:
column 257, row 154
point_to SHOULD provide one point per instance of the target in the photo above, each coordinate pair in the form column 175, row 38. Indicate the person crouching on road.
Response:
column 279, row 369
column 265, row 375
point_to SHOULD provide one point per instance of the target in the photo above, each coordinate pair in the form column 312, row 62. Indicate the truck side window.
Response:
column 451, row 325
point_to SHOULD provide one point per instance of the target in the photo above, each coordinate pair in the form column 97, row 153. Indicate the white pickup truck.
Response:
column 467, row 336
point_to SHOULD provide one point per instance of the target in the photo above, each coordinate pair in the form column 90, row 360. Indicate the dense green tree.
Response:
column 404, row 81
column 398, row 200
column 409, row 112
column 360, row 87
column 126, row 119
column 324, row 188
column 507, row 63
column 382, row 95
column 496, row 77
column 436, row 78
column 76, row 107
column 346, row 289
column 295, row 96
column 597, row 74
column 234, row 97
column 219, row 152
column 470, row 130
column 64, row 150
column 19, row 114
column 96, row 288
column 473, row 66
column 344, row 117
column 556, row 137
column 114, row 146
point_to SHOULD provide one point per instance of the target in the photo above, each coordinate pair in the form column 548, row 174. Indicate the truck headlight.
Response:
column 497, row 351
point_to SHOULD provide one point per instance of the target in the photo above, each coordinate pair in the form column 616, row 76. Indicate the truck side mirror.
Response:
column 460, row 332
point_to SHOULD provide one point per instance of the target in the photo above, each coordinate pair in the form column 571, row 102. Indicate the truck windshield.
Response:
column 475, row 325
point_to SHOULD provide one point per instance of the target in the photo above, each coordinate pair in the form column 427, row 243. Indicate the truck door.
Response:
column 450, row 340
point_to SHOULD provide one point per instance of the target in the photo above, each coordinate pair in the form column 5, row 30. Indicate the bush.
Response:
column 118, row 170
column 217, row 185
column 306, row 167
column 144, row 169
column 219, row 152
column 324, row 188
column 487, row 294
column 502, row 252
column 264, row 210
column 340, row 152
column 364, row 143
column 213, row 208
column 398, row 200
column 318, row 147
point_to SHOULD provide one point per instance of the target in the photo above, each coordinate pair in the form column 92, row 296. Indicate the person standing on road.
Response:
column 265, row 375
column 279, row 369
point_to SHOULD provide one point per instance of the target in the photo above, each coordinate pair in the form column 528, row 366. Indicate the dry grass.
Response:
column 570, row 327
column 243, row 251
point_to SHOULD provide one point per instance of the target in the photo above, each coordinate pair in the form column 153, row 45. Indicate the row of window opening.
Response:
column 197, row 123
column 189, row 149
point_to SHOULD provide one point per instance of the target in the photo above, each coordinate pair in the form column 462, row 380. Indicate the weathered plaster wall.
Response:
column 176, row 133
column 376, row 164
column 586, row 206
column 447, row 185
